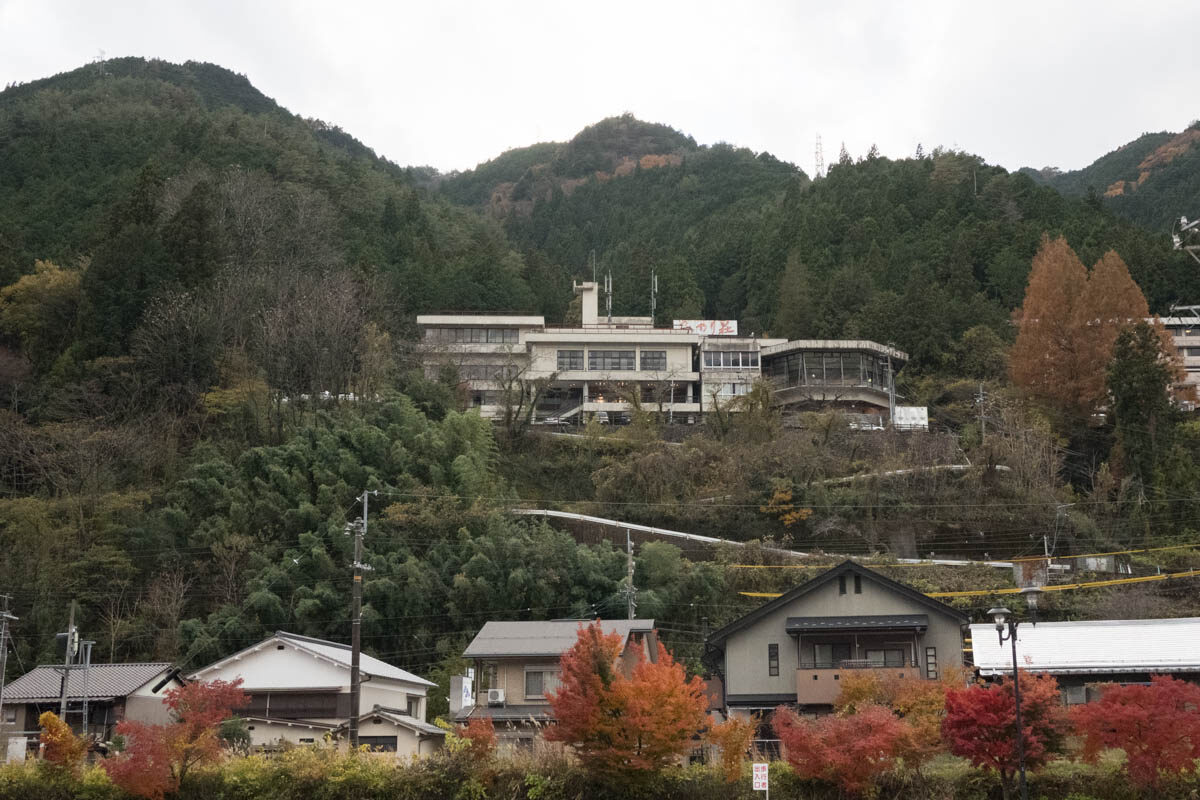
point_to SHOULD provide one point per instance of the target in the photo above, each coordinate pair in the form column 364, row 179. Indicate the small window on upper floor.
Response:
column 858, row 584
column 772, row 659
column 841, row 584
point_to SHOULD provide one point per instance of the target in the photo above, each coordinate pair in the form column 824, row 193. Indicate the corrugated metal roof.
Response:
column 497, row 639
column 859, row 623
column 1106, row 646
column 104, row 680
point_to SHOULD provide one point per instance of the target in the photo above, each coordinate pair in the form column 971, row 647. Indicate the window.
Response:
column 611, row 360
column 931, row 670
column 733, row 389
column 841, row 584
column 473, row 335
column 654, row 360
column 306, row 741
column 414, row 707
column 570, row 360
column 379, row 744
column 539, row 682
column 731, row 359
column 858, row 584
column 826, row 656
column 886, row 658
column 10, row 715
column 772, row 659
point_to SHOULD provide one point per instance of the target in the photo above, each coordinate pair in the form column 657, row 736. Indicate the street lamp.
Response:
column 1004, row 618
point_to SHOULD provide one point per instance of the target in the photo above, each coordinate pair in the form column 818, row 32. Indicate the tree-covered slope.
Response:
column 1152, row 180
column 74, row 147
column 914, row 251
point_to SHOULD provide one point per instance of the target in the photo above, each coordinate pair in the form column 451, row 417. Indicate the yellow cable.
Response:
column 1052, row 588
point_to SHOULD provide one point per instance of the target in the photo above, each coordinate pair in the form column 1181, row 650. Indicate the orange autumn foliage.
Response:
column 1067, row 326
column 60, row 746
column 621, row 725
column 733, row 737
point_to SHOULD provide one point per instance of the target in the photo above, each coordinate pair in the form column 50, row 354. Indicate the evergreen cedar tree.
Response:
column 1158, row 727
column 849, row 751
column 980, row 724
column 621, row 726
column 1068, row 324
column 158, row 758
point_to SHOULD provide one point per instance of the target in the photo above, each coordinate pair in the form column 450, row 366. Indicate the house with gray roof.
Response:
column 299, row 691
column 113, row 692
column 517, row 664
column 795, row 649
column 1083, row 654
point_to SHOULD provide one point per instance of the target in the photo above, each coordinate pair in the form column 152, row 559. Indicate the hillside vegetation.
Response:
column 206, row 330
column 1152, row 180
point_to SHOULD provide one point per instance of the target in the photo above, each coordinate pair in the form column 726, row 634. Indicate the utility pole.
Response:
column 891, row 379
column 5, row 616
column 653, row 294
column 62, row 699
column 359, row 527
column 631, row 603
column 982, row 417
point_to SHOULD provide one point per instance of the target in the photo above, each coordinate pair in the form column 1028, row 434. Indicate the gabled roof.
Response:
column 104, row 681
column 1099, row 647
column 548, row 639
column 845, row 568
column 397, row 717
column 332, row 652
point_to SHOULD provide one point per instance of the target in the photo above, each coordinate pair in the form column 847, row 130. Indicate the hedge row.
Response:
column 316, row 774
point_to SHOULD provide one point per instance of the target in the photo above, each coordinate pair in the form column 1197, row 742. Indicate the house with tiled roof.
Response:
column 516, row 665
column 299, row 691
column 110, row 692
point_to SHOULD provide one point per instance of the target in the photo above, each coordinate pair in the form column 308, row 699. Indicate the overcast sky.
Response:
column 452, row 83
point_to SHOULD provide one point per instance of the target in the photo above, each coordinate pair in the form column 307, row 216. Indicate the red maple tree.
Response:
column 980, row 724
column 621, row 724
column 481, row 733
column 849, row 751
column 1158, row 727
column 158, row 757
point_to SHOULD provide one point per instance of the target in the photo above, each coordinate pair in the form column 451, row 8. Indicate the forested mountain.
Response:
column 1152, row 180
column 205, row 359
column 914, row 251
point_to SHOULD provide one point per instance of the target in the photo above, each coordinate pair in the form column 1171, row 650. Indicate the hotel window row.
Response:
column 830, row 369
column 730, row 359
column 472, row 335
column 612, row 360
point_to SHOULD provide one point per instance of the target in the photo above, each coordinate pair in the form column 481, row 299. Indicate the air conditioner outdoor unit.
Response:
column 495, row 697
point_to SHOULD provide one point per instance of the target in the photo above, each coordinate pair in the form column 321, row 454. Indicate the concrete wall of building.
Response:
column 746, row 650
column 408, row 742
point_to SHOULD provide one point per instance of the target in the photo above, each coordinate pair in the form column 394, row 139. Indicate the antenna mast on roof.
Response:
column 819, row 172
column 608, row 294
